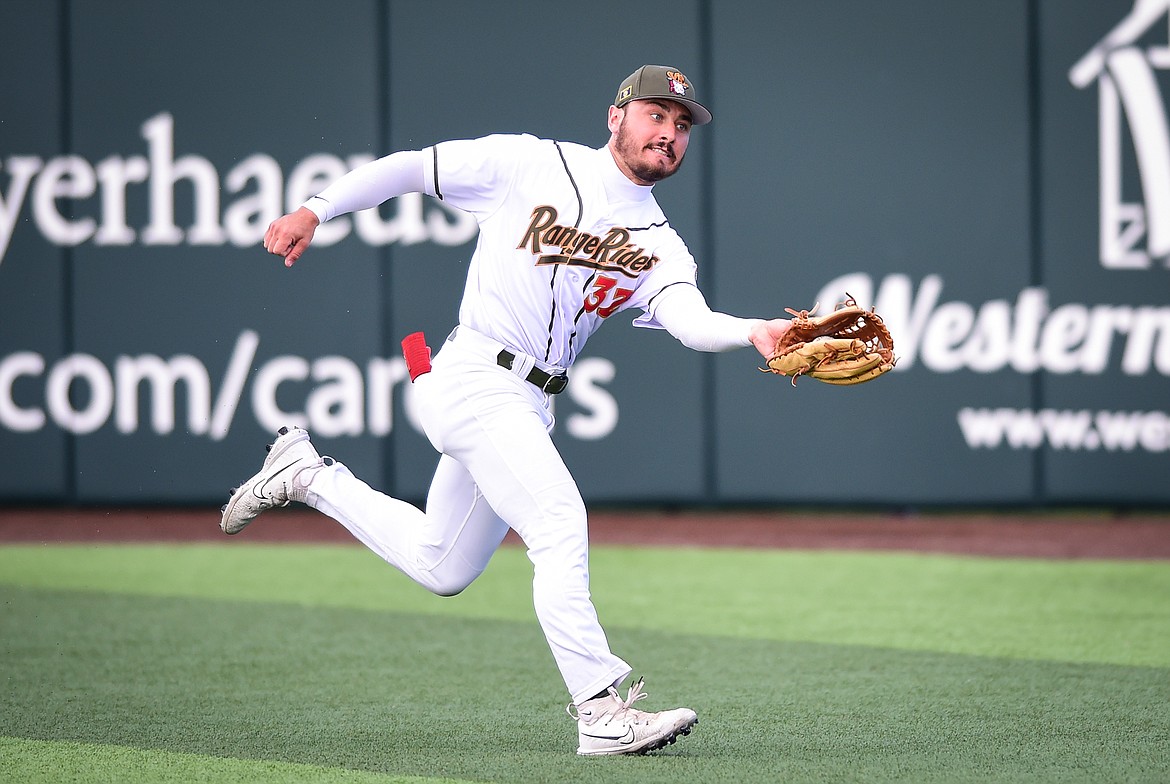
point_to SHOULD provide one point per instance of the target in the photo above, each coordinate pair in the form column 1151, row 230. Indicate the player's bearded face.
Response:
column 652, row 139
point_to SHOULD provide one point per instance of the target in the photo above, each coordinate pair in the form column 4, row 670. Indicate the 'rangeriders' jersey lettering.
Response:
column 614, row 252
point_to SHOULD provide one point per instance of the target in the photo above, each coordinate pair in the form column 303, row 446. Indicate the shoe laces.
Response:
column 634, row 694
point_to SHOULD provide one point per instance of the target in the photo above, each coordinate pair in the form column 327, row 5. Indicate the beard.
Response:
column 631, row 154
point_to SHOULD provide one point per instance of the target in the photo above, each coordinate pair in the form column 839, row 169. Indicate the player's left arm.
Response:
column 683, row 311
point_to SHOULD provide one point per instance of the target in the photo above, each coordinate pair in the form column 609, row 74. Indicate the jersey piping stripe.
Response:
column 580, row 313
column 435, row 158
column 553, row 280
column 651, row 226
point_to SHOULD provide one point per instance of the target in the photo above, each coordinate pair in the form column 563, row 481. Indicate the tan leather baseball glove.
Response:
column 848, row 346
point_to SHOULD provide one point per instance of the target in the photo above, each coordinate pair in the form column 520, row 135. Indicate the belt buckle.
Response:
column 555, row 385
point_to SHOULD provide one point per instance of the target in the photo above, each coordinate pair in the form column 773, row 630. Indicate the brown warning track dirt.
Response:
column 1047, row 535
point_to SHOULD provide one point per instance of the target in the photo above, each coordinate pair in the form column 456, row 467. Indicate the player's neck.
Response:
column 619, row 186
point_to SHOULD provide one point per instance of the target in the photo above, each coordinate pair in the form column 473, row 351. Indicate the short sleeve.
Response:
column 476, row 175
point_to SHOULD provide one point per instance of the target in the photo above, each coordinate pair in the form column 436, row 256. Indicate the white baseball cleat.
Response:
column 275, row 485
column 608, row 725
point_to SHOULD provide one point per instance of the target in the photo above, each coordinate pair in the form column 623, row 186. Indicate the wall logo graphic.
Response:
column 1134, row 234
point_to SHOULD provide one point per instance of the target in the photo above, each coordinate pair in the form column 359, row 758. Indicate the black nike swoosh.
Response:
column 256, row 489
column 627, row 738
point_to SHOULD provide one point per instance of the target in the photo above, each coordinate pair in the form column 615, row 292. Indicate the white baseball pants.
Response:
column 499, row 469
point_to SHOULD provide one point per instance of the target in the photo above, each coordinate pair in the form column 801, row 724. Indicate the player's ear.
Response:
column 615, row 118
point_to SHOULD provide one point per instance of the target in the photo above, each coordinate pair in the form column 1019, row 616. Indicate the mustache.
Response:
column 663, row 147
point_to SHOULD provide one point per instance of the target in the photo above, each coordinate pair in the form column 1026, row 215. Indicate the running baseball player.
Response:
column 568, row 236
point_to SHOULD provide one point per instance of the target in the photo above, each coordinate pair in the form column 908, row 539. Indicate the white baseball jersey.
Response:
column 566, row 240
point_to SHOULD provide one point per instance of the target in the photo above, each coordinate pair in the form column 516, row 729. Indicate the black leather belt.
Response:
column 553, row 385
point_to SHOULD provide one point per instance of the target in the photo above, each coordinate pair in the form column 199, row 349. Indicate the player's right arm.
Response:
column 366, row 186
column 290, row 235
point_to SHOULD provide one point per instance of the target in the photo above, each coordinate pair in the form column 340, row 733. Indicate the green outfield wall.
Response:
column 993, row 176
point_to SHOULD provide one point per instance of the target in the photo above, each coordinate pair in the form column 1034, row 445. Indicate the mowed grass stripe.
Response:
column 406, row 694
column 52, row 762
column 1076, row 611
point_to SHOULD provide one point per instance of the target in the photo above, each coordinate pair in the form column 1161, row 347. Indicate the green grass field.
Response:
column 295, row 663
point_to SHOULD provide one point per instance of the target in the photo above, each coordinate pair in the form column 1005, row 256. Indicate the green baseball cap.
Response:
column 662, row 81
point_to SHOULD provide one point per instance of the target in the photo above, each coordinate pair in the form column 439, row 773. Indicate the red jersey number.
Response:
column 605, row 288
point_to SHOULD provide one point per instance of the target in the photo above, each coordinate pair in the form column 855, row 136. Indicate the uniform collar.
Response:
column 618, row 186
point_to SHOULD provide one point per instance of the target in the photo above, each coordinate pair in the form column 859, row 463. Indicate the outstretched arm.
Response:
column 684, row 312
column 366, row 186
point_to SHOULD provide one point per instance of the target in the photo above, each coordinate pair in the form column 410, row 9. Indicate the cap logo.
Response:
column 626, row 92
column 677, row 82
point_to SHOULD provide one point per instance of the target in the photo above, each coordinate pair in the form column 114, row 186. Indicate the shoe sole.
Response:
column 276, row 450
column 653, row 745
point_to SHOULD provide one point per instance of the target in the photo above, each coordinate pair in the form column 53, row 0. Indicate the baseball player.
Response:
column 568, row 236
